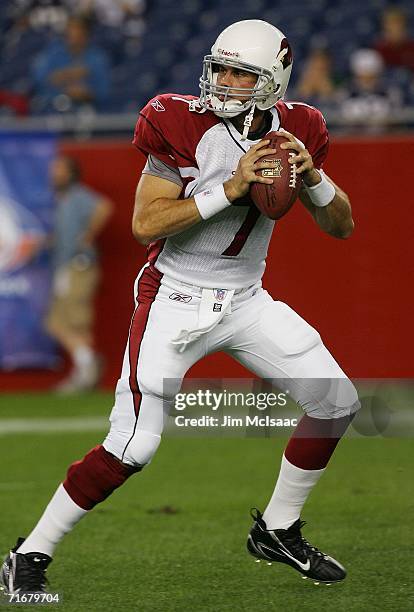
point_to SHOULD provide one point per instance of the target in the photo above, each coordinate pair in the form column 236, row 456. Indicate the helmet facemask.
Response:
column 229, row 107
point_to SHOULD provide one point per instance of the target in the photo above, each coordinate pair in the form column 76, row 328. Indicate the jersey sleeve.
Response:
column 151, row 133
column 318, row 142
column 156, row 167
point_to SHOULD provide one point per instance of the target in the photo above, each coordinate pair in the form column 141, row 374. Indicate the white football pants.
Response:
column 266, row 336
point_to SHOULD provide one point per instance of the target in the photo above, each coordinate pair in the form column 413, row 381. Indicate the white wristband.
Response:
column 211, row 201
column 323, row 193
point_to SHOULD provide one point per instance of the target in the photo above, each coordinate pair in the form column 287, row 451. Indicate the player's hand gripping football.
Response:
column 302, row 159
column 245, row 174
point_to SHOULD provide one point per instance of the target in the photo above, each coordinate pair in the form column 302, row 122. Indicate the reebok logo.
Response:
column 158, row 106
column 228, row 53
column 180, row 297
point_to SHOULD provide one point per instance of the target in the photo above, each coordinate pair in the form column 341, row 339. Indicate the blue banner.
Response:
column 26, row 222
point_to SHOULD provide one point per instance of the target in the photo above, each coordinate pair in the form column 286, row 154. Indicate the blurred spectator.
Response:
column 122, row 23
column 72, row 72
column 369, row 100
column 27, row 25
column 317, row 83
column 12, row 103
column 80, row 216
column 395, row 46
column 41, row 14
column 112, row 12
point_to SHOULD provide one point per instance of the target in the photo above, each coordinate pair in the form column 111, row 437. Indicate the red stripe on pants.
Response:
column 148, row 287
column 99, row 473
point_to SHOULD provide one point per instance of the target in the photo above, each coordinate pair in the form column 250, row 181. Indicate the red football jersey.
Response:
column 229, row 249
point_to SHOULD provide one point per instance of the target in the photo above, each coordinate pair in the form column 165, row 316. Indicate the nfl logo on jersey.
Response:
column 220, row 294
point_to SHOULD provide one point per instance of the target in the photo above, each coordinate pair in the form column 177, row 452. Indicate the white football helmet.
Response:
column 252, row 46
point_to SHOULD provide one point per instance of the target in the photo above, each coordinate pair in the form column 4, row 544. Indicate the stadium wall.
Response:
column 356, row 292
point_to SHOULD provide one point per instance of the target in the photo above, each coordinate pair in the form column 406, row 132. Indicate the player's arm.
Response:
column 159, row 212
column 336, row 218
column 333, row 213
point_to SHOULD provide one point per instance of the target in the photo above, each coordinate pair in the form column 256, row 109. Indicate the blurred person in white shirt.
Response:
column 369, row 100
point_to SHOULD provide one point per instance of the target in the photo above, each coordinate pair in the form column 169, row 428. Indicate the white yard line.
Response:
column 14, row 486
column 48, row 426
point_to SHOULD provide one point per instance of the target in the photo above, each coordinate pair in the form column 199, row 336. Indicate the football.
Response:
column 275, row 200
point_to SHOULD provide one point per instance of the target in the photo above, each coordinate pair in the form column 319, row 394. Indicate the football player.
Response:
column 207, row 244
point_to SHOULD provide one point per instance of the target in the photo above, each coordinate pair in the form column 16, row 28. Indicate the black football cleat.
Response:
column 288, row 546
column 24, row 573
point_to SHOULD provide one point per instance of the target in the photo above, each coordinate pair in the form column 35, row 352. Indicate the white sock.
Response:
column 83, row 357
column 292, row 489
column 60, row 516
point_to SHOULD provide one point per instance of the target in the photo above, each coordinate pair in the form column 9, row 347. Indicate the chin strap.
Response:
column 195, row 106
column 248, row 121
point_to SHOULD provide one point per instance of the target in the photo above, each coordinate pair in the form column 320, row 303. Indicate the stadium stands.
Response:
column 167, row 56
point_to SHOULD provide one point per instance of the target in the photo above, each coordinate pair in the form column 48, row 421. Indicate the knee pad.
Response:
column 331, row 399
column 141, row 448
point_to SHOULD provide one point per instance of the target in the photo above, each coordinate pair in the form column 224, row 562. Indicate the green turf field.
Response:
column 129, row 554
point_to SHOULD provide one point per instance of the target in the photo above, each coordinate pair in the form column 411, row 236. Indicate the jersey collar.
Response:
column 238, row 136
